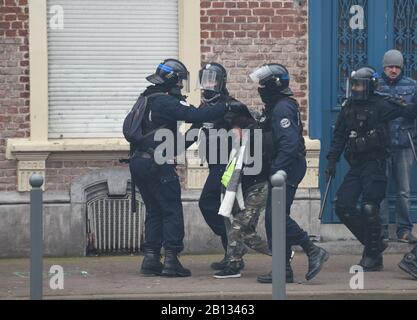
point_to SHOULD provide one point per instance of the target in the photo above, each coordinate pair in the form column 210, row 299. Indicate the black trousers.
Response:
column 210, row 202
column 367, row 180
column 161, row 192
column 295, row 235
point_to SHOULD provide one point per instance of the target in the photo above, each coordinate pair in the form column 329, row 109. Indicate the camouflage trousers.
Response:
column 241, row 228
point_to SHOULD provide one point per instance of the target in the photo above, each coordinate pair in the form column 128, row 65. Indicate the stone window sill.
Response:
column 31, row 156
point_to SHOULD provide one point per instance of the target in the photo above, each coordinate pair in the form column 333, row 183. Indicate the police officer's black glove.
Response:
column 330, row 170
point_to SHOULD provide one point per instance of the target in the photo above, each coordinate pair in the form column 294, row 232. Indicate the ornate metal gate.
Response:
column 335, row 49
column 352, row 44
column 405, row 33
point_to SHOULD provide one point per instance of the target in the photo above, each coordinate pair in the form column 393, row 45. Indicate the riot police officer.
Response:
column 361, row 131
column 283, row 136
column 159, row 184
column 212, row 80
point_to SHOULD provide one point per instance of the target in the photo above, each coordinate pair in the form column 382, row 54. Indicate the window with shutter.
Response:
column 98, row 61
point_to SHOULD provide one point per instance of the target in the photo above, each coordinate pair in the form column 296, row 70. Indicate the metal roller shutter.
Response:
column 99, row 60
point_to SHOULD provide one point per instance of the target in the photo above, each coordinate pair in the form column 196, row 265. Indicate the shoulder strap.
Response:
column 146, row 105
column 156, row 94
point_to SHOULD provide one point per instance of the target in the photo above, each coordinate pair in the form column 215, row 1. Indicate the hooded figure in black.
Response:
column 214, row 148
column 362, row 133
column 285, row 150
column 159, row 184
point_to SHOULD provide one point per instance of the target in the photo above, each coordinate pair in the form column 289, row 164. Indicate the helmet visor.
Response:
column 211, row 80
column 185, row 83
column 184, row 80
column 358, row 88
column 261, row 75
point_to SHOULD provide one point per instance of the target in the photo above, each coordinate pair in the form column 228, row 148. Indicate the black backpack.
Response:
column 133, row 133
column 133, row 123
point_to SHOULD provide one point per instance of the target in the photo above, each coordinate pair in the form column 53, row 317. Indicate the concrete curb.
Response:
column 267, row 295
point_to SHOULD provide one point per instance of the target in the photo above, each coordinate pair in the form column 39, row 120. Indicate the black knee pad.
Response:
column 370, row 212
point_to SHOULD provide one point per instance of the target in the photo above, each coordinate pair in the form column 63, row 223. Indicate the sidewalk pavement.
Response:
column 118, row 278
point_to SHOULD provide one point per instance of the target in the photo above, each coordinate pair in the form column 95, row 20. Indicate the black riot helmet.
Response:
column 362, row 83
column 171, row 73
column 273, row 76
column 212, row 81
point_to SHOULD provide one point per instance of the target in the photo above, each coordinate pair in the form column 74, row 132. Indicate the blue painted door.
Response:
column 403, row 36
column 344, row 35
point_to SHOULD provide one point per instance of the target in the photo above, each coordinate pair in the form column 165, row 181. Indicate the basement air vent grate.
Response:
column 112, row 228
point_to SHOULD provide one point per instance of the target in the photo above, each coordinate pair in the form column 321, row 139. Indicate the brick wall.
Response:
column 14, row 101
column 14, row 83
column 243, row 35
column 60, row 174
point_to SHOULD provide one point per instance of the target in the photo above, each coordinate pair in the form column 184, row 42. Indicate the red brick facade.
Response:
column 241, row 35
column 14, row 83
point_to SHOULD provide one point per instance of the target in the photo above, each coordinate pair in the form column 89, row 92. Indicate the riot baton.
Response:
column 412, row 145
column 325, row 197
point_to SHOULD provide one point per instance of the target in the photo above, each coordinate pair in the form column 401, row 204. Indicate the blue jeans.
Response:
column 399, row 167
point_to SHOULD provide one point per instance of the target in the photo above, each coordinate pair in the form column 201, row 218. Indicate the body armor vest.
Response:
column 367, row 137
column 269, row 142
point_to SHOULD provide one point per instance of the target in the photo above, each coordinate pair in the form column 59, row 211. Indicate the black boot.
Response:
column 316, row 258
column 151, row 264
column 172, row 266
column 374, row 246
column 371, row 263
column 289, row 275
column 409, row 263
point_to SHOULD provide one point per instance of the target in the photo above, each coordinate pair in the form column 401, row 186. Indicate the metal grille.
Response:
column 352, row 44
column 112, row 228
column 405, row 34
